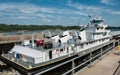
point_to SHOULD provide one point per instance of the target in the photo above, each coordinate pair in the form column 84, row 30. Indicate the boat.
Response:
column 32, row 54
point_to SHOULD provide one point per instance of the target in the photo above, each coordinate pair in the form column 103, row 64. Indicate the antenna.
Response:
column 78, row 22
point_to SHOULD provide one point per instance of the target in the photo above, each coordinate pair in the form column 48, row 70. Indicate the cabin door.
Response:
column 50, row 54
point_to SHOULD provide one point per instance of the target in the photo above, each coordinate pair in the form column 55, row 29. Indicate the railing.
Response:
column 117, row 70
column 72, row 60
column 91, row 58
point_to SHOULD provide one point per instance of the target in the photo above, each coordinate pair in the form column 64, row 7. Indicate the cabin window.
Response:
column 97, row 28
column 79, row 37
column 104, row 34
column 59, row 42
column 67, row 50
column 72, row 47
column 61, row 50
column 48, row 46
column 81, row 45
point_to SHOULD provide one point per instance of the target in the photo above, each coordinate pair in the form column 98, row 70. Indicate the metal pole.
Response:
column 118, row 41
column 90, row 59
column 116, row 69
column 101, row 51
column 32, row 41
column 108, row 49
column 114, row 43
column 73, row 66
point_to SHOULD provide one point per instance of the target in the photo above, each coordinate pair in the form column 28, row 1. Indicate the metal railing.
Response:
column 72, row 70
column 95, row 48
column 117, row 69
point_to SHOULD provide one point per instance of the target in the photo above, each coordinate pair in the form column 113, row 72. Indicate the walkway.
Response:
column 106, row 66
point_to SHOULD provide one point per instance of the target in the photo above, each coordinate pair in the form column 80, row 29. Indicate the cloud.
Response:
column 26, row 11
column 109, row 2
column 84, row 8
column 22, row 17
column 26, row 8
column 44, row 17
column 31, row 9
column 81, row 6
column 81, row 13
column 34, row 9
column 46, row 20
column 5, row 6
column 115, row 12
column 44, row 14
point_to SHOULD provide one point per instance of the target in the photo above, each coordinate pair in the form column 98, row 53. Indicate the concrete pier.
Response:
column 106, row 66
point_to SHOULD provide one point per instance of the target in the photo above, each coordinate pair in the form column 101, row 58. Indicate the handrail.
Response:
column 116, row 69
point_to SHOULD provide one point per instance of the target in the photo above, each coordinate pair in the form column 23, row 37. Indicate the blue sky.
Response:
column 58, row 12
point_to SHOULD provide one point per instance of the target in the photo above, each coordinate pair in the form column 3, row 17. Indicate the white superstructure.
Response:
column 65, row 44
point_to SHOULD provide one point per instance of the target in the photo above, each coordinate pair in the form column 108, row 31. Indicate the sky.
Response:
column 58, row 12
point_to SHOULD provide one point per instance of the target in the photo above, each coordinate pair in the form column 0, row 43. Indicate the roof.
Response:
column 27, row 51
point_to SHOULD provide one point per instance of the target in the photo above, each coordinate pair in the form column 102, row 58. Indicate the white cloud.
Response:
column 26, row 8
column 6, row 6
column 44, row 17
column 84, row 8
column 81, row 13
column 109, row 2
column 115, row 12
column 50, row 14
column 32, row 9
column 28, row 11
column 48, row 10
column 105, row 2
column 81, row 6
column 46, row 20
column 22, row 17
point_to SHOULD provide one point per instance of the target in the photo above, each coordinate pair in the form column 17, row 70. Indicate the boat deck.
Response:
column 27, row 67
column 106, row 66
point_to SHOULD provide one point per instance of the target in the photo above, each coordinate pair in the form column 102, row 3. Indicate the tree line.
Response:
column 113, row 28
column 16, row 27
column 5, row 27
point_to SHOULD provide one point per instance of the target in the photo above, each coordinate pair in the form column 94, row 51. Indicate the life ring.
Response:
column 64, row 48
column 57, row 51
